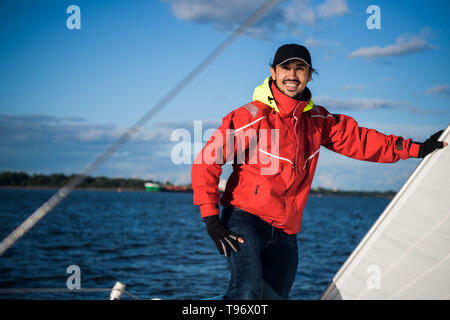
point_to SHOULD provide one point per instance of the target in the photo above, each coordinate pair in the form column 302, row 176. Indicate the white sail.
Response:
column 406, row 253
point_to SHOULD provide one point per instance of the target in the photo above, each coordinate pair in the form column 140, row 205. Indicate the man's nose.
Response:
column 291, row 74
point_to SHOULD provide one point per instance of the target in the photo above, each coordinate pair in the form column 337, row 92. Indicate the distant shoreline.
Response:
column 313, row 192
column 77, row 189
column 55, row 181
column 357, row 194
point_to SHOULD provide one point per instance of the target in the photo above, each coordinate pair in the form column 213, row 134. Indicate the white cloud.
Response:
column 332, row 8
column 404, row 45
column 440, row 90
column 335, row 104
column 215, row 11
column 91, row 134
column 354, row 87
column 357, row 103
column 414, row 131
column 40, row 143
column 300, row 12
column 335, row 171
column 51, row 146
column 227, row 15
column 326, row 179
column 313, row 42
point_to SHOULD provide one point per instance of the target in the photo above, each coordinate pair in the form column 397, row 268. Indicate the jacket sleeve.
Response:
column 207, row 167
column 342, row 134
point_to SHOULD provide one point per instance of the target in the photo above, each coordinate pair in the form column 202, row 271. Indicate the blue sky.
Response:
column 66, row 95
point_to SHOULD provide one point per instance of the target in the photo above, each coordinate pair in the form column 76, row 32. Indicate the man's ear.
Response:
column 272, row 72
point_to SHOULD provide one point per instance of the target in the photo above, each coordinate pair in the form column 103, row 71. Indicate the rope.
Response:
column 215, row 298
column 64, row 290
column 40, row 213
column 61, row 290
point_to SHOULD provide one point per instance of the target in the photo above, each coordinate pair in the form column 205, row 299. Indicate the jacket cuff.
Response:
column 414, row 150
column 407, row 148
column 209, row 209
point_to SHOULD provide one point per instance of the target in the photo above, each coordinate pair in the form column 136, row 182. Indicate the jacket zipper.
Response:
column 295, row 163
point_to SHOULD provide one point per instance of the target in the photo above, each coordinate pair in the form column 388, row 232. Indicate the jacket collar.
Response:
column 269, row 94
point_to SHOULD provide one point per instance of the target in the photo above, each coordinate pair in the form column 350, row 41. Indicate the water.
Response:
column 157, row 245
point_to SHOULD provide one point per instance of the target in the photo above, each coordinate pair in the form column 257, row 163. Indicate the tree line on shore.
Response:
column 58, row 180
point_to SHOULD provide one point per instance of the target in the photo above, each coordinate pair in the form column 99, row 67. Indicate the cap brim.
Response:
column 294, row 58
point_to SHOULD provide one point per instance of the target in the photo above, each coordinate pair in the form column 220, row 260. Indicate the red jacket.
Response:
column 278, row 195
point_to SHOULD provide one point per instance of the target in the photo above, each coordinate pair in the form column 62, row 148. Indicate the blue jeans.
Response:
column 266, row 265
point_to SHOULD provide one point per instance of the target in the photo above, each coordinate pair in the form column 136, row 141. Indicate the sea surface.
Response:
column 157, row 245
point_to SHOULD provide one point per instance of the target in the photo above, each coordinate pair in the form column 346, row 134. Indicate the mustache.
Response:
column 291, row 80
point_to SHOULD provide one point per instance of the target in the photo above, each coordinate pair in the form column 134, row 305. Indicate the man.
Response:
column 263, row 204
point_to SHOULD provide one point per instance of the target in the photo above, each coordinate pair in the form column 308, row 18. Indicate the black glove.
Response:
column 225, row 239
column 430, row 145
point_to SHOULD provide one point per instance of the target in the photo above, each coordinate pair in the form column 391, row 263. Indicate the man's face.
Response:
column 291, row 77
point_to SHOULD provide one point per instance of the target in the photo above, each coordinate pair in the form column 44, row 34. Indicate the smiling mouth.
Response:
column 291, row 84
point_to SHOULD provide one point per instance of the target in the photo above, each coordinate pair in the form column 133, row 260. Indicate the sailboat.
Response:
column 406, row 253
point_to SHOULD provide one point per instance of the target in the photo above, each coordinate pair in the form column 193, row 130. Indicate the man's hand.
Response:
column 225, row 239
column 431, row 144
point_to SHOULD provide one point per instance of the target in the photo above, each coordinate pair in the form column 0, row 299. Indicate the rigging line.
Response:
column 129, row 294
column 49, row 290
column 60, row 290
column 29, row 223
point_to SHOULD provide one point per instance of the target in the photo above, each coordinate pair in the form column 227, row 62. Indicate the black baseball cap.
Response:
column 292, row 51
